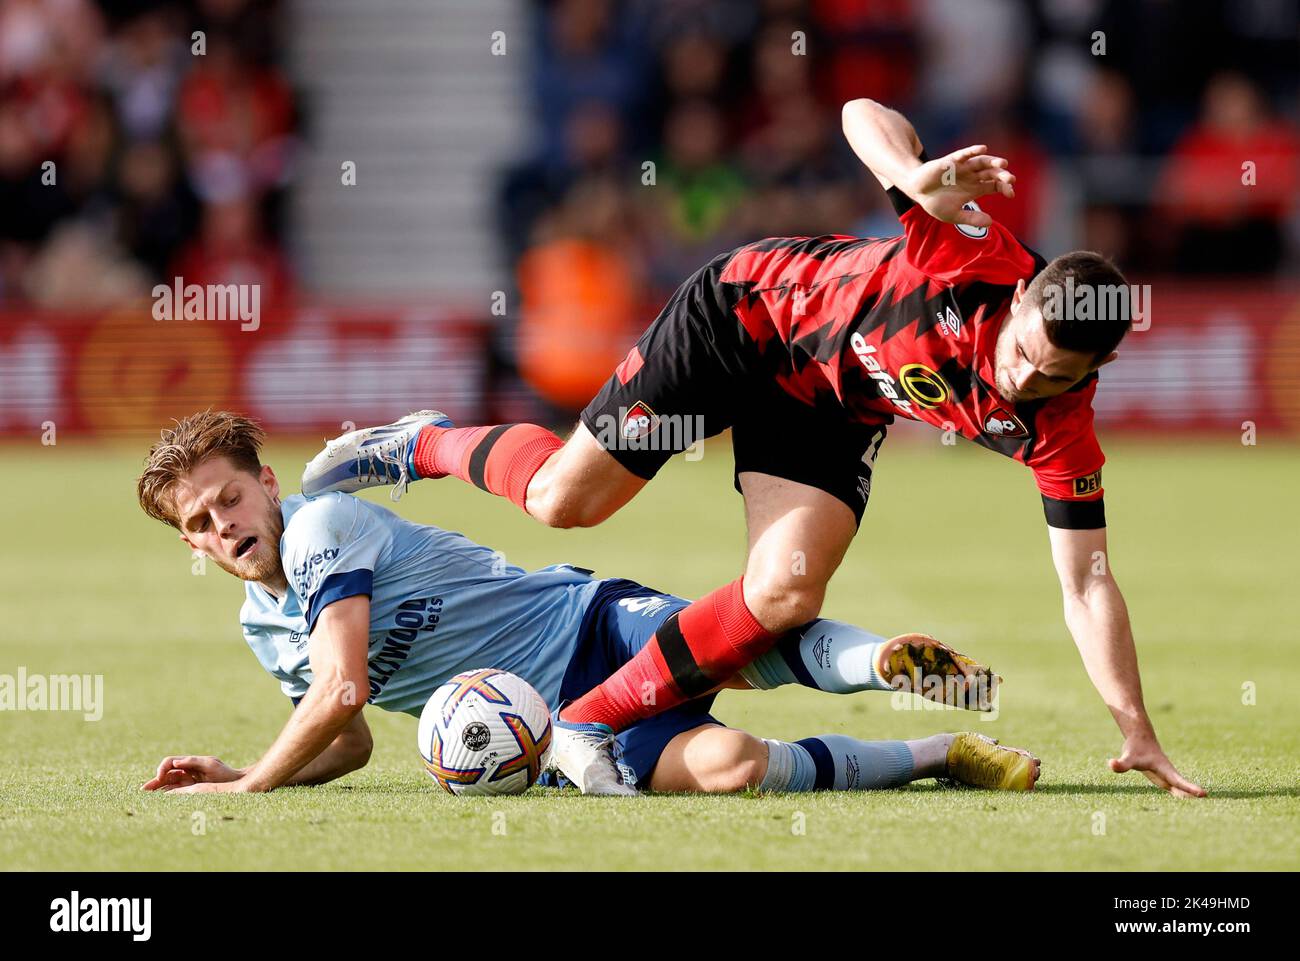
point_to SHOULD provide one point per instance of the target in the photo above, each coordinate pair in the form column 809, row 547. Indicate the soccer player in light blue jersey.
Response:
column 348, row 604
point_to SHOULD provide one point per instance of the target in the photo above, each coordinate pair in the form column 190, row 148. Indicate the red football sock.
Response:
column 500, row 460
column 693, row 652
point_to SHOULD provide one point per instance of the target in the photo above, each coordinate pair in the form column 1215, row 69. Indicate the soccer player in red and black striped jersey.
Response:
column 807, row 349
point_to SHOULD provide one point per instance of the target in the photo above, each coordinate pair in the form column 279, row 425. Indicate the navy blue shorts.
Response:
column 621, row 619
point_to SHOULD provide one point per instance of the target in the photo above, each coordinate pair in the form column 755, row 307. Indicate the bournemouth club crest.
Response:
column 639, row 421
column 1003, row 423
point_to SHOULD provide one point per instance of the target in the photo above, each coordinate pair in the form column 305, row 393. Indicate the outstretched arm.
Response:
column 887, row 143
column 1098, row 620
column 340, row 685
column 347, row 752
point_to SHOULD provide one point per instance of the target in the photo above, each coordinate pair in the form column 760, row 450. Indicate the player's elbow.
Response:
column 1084, row 590
column 857, row 105
column 854, row 108
column 344, row 697
column 359, row 748
column 861, row 108
column 352, row 705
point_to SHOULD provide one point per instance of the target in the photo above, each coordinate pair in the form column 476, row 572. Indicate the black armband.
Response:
column 1075, row 515
column 901, row 202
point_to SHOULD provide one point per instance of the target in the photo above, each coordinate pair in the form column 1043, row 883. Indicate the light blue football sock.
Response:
column 836, row 762
column 789, row 767
column 826, row 655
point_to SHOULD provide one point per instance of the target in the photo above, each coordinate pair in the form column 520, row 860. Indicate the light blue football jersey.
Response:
column 439, row 603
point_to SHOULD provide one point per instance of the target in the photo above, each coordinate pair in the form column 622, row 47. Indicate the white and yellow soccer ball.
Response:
column 485, row 732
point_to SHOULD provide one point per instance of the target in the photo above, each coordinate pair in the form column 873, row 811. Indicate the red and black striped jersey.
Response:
column 907, row 326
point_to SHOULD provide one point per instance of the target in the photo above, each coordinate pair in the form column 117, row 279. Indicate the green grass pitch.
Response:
column 1203, row 542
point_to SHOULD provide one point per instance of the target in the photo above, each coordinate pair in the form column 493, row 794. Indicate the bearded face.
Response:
column 233, row 517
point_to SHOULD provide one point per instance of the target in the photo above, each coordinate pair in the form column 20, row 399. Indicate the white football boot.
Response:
column 585, row 754
column 370, row 457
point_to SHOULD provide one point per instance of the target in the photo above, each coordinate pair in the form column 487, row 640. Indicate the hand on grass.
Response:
column 1145, row 754
column 184, row 772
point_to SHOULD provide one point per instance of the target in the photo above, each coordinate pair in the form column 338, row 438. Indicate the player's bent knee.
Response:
column 569, row 511
column 782, row 606
column 553, row 512
column 711, row 759
column 565, row 498
column 746, row 768
column 737, row 761
column 557, row 502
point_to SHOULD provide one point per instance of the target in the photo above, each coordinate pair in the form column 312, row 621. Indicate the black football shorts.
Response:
column 695, row 372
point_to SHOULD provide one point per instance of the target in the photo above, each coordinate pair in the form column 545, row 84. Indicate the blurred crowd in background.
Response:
column 125, row 159
column 1145, row 143
column 1127, row 123
column 665, row 131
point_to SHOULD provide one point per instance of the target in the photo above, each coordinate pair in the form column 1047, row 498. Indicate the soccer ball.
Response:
column 485, row 732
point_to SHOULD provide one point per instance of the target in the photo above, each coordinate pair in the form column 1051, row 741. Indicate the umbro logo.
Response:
column 950, row 322
column 822, row 652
